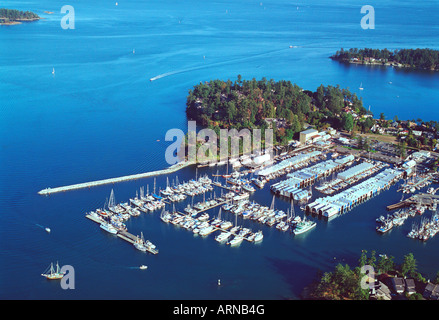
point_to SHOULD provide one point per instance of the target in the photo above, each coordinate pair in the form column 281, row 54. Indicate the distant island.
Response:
column 12, row 16
column 427, row 59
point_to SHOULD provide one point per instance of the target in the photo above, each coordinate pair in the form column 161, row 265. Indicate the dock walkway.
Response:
column 125, row 235
column 417, row 199
column 84, row 185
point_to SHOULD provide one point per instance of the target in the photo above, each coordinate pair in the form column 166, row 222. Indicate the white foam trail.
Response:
column 215, row 64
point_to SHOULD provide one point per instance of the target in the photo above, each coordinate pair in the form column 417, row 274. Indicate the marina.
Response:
column 307, row 176
column 112, row 218
column 344, row 201
column 356, row 181
column 295, row 162
column 350, row 177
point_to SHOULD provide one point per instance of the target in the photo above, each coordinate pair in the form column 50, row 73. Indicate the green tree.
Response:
column 371, row 261
column 363, row 258
column 402, row 149
column 408, row 267
column 385, row 264
column 347, row 122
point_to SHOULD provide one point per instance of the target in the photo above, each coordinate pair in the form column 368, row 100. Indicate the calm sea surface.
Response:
column 99, row 116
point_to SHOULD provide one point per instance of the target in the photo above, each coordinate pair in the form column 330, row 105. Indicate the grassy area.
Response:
column 380, row 137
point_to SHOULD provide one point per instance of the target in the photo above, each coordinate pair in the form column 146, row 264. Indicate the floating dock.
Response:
column 84, row 185
column 125, row 235
column 344, row 201
column 309, row 175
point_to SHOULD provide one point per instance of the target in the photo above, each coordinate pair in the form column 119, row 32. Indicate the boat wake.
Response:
column 216, row 64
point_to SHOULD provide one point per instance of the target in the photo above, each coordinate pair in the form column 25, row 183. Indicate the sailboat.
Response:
column 237, row 239
column 52, row 274
column 361, row 86
column 139, row 244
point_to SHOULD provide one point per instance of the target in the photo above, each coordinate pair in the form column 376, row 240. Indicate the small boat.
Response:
column 108, row 227
column 248, row 188
column 223, row 236
column 236, row 241
column 143, row 267
column 258, row 236
column 52, row 274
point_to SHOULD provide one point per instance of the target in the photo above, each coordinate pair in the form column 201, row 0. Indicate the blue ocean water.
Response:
column 99, row 116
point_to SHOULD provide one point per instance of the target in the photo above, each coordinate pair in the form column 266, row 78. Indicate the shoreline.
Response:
column 392, row 64
column 18, row 21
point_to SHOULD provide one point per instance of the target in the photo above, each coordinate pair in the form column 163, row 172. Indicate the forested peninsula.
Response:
column 285, row 106
column 12, row 16
column 427, row 59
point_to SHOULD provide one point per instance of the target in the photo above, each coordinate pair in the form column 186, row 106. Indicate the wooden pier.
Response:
column 424, row 199
column 214, row 206
column 84, row 185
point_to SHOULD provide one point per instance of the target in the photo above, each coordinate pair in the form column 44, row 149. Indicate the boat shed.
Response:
column 307, row 135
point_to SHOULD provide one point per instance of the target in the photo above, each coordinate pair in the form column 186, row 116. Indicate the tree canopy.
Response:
column 417, row 58
column 248, row 103
column 14, row 15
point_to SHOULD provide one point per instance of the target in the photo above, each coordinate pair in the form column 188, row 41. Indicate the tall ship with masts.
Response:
column 52, row 273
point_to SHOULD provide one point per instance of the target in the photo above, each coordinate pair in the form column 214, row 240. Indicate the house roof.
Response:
column 309, row 131
column 410, row 283
column 431, row 291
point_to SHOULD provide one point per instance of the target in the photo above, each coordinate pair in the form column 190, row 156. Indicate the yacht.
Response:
column 248, row 188
column 304, row 226
column 207, row 230
column 223, row 236
column 143, row 267
column 108, row 227
column 236, row 241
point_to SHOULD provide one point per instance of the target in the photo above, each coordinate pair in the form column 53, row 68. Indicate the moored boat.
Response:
column 304, row 226
column 108, row 227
